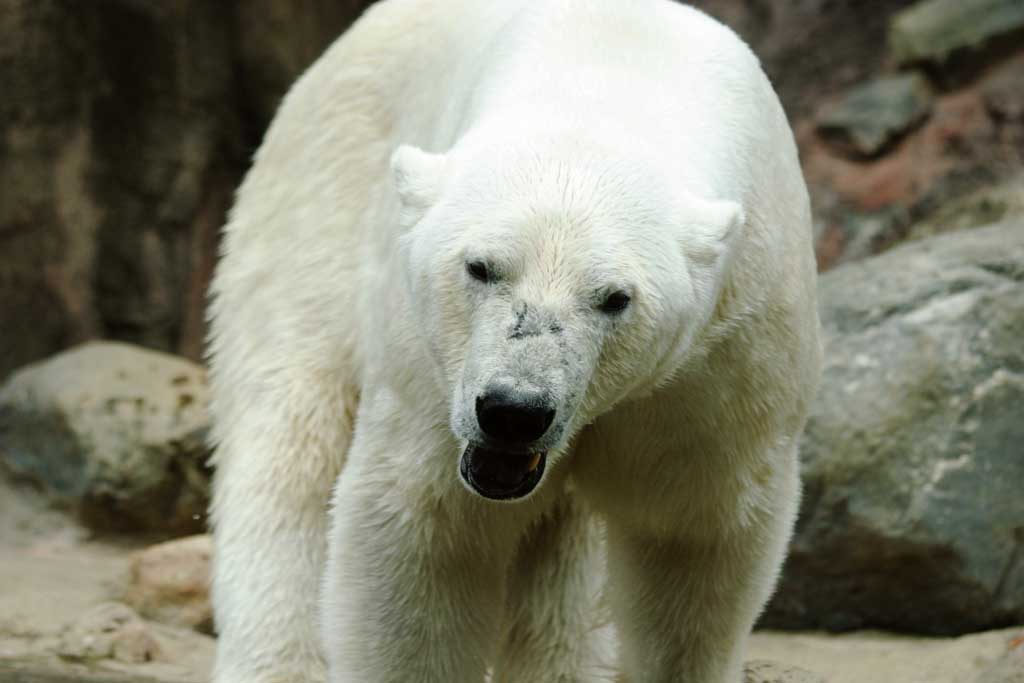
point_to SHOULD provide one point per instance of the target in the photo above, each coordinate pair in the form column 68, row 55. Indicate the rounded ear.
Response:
column 419, row 178
column 710, row 225
column 716, row 219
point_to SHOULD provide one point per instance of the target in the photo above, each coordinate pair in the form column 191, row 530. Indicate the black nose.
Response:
column 512, row 415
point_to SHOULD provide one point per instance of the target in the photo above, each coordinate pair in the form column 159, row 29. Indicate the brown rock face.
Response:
column 125, row 126
column 116, row 136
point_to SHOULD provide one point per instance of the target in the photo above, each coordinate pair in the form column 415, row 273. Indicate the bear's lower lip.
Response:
column 501, row 475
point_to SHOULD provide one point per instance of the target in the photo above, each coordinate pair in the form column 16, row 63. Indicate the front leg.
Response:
column 415, row 579
column 275, row 466
column 686, row 607
column 552, row 617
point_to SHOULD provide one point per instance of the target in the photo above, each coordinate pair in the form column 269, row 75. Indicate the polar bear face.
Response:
column 549, row 287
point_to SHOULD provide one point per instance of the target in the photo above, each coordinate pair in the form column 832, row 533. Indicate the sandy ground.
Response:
column 51, row 572
column 875, row 657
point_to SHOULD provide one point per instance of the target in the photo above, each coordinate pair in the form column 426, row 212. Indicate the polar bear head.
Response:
column 550, row 284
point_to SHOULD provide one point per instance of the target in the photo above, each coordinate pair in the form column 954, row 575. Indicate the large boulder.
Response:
column 116, row 431
column 913, row 460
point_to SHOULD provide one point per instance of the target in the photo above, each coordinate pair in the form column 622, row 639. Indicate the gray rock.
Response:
column 991, row 203
column 913, row 459
column 116, row 431
column 869, row 233
column 874, row 115
column 936, row 31
column 761, row 671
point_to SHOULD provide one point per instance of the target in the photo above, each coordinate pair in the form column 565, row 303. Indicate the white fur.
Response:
column 579, row 147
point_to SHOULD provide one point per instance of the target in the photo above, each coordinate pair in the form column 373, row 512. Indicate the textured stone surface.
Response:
column 125, row 126
column 169, row 583
column 989, row 204
column 109, row 631
column 936, row 31
column 116, row 431
column 874, row 115
column 964, row 151
column 913, row 459
column 117, row 158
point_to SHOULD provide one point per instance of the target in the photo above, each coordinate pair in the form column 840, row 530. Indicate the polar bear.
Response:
column 515, row 320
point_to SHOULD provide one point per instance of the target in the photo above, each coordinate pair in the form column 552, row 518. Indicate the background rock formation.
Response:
column 127, row 124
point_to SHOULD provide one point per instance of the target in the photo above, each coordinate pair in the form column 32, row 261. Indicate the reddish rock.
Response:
column 974, row 138
column 958, row 131
column 170, row 583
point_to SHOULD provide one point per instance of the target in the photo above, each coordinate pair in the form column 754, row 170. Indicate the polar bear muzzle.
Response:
column 501, row 475
column 508, row 444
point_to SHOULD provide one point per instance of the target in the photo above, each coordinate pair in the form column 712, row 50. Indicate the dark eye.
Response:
column 616, row 302
column 478, row 271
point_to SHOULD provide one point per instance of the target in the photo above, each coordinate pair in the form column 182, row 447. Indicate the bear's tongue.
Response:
column 499, row 474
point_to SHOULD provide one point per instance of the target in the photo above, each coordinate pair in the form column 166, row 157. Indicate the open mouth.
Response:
column 501, row 475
